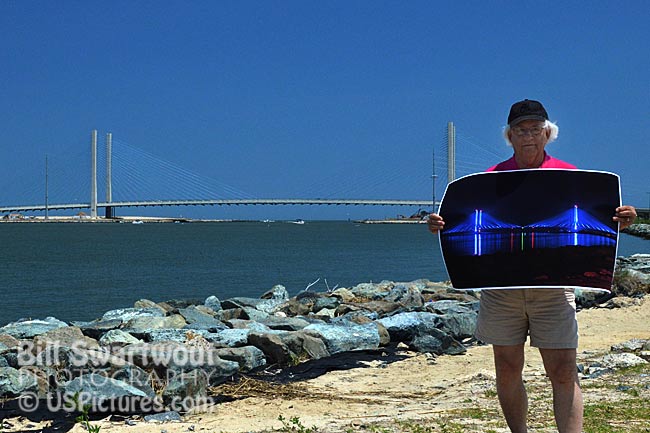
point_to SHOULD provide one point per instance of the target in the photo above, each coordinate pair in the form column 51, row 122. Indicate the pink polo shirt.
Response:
column 549, row 162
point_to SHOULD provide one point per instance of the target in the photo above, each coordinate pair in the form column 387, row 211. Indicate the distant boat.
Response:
column 268, row 221
column 296, row 222
column 137, row 222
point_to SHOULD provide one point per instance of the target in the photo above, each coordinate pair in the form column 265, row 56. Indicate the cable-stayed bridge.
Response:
column 129, row 171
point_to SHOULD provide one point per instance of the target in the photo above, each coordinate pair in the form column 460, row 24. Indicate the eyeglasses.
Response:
column 521, row 132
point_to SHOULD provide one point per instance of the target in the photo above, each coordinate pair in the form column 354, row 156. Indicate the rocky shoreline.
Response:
column 165, row 356
column 640, row 230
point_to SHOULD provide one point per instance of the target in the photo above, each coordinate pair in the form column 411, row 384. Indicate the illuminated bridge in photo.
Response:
column 572, row 220
column 481, row 234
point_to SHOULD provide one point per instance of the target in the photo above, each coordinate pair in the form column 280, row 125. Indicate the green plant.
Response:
column 294, row 425
column 83, row 416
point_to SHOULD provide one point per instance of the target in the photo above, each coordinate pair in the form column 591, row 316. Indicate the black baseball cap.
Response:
column 526, row 110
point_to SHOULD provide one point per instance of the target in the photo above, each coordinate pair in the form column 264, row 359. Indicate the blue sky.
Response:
column 312, row 99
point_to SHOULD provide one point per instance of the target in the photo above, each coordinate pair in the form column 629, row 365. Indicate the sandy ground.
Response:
column 401, row 385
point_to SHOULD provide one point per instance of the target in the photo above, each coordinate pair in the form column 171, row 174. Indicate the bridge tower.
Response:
column 451, row 152
column 109, row 170
column 93, row 174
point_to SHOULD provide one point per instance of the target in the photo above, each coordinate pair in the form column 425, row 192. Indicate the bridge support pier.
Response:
column 110, row 213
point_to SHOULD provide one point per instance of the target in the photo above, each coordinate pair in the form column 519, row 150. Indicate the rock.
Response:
column 633, row 345
column 31, row 328
column 194, row 315
column 285, row 323
column 229, row 338
column 214, row 303
column 177, row 304
column 274, row 349
column 119, row 338
column 381, row 308
column 177, row 335
column 69, row 336
column 134, row 376
column 14, row 382
column 372, row 291
column 455, row 319
column 622, row 360
column 231, row 314
column 140, row 326
column 325, row 303
column 186, row 386
column 304, row 345
column 405, row 326
column 98, row 328
column 4, row 349
column 437, row 342
column 145, row 303
column 268, row 306
column 9, row 341
column 346, row 337
column 248, row 357
column 277, row 292
column 163, row 417
column 406, row 295
column 126, row 314
column 343, row 294
column 94, row 389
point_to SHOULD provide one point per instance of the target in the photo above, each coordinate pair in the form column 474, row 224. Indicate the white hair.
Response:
column 552, row 127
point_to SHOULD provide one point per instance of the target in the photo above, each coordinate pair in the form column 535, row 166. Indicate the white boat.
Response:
column 296, row 222
column 137, row 222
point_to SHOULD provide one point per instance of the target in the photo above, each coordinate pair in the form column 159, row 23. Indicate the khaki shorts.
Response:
column 507, row 316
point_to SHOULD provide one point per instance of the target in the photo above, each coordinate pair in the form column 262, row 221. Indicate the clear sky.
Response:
column 312, row 98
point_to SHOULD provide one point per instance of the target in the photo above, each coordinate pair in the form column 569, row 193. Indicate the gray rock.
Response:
column 304, row 345
column 177, row 335
column 275, row 350
column 126, row 314
column 9, row 341
column 326, row 303
column 14, row 382
column 68, row 336
column 98, row 328
column 405, row 326
column 405, row 295
column 343, row 338
column 214, row 303
column 4, row 349
column 622, row 360
column 186, row 386
column 437, row 342
column 372, row 291
column 229, row 337
column 277, row 292
column 285, row 323
column 163, row 417
column 95, row 388
column 633, row 345
column 193, row 314
column 3, row 362
column 117, row 337
column 31, row 328
column 140, row 326
column 134, row 376
column 456, row 319
column 248, row 357
column 256, row 315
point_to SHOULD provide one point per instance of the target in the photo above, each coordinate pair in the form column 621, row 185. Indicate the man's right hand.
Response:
column 435, row 223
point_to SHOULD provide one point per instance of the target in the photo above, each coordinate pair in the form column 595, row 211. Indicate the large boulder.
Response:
column 14, row 382
column 345, row 337
column 248, row 357
column 405, row 326
column 31, row 328
column 437, row 342
column 126, row 314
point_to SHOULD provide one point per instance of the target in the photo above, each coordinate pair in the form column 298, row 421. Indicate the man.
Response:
column 507, row 317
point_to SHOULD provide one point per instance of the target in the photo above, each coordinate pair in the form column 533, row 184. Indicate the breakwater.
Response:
column 155, row 356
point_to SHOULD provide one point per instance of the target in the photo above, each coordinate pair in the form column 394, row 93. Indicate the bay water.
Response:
column 77, row 271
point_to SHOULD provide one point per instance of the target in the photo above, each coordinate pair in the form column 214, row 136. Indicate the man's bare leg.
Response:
column 560, row 365
column 509, row 364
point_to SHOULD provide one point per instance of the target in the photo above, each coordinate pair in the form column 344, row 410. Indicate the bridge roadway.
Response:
column 225, row 202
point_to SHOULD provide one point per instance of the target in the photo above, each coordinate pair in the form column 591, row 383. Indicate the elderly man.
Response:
column 507, row 317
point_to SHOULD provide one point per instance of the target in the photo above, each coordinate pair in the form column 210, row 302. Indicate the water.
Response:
column 77, row 271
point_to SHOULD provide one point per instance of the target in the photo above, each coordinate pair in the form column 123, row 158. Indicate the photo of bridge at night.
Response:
column 525, row 239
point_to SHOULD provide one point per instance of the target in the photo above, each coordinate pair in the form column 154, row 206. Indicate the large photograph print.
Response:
column 531, row 228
